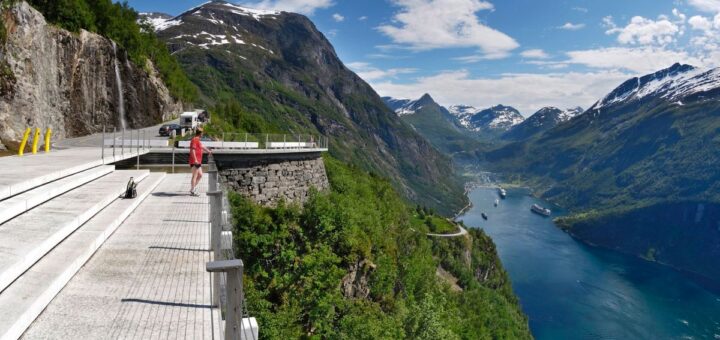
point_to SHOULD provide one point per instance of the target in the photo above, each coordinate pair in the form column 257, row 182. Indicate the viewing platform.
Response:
column 80, row 261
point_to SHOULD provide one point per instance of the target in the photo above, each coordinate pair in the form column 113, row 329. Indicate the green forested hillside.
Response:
column 360, row 235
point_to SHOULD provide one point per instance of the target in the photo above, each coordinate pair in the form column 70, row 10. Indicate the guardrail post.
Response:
column 246, row 144
column 233, row 312
column 122, row 144
column 212, row 174
column 102, row 146
column 215, row 234
column 113, row 141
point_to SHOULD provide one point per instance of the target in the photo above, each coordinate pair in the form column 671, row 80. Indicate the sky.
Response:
column 524, row 53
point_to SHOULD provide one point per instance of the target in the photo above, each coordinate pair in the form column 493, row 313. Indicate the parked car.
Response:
column 166, row 129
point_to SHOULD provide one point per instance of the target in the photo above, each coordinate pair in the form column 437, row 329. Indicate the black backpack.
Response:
column 131, row 189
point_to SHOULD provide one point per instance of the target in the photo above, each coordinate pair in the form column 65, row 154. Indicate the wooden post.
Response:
column 215, row 233
column 235, row 296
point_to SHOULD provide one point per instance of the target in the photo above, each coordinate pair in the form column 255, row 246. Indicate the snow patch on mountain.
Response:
column 495, row 118
column 163, row 22
column 673, row 84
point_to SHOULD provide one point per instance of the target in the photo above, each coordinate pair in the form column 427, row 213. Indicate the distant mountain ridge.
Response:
column 542, row 120
column 495, row 119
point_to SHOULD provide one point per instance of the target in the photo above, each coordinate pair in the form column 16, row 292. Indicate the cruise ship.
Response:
column 540, row 210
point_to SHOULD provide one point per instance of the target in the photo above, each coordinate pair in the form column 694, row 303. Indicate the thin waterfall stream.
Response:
column 118, row 82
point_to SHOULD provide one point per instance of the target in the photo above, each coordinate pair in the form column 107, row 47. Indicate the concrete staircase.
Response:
column 50, row 226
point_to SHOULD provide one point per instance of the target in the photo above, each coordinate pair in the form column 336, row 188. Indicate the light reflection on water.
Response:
column 573, row 291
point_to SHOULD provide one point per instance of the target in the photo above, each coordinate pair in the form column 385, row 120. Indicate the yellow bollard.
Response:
column 24, row 141
column 36, row 139
column 47, row 139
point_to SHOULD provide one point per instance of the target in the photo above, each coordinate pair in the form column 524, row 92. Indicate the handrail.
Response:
column 226, row 273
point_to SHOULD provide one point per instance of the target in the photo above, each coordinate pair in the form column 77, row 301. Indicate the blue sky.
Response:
column 523, row 53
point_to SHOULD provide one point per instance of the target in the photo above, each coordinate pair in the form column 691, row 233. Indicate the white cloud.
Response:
column 700, row 23
column 338, row 17
column 571, row 27
column 526, row 92
column 711, row 6
column 643, row 31
column 580, row 9
column 298, row 6
column 641, row 60
column 432, row 24
column 370, row 73
column 534, row 54
column 362, row 18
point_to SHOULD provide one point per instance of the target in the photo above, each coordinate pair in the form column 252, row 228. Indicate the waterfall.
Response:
column 118, row 82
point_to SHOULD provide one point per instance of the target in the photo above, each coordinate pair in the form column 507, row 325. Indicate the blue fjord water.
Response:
column 573, row 291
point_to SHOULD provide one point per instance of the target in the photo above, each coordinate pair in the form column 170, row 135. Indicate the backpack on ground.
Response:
column 131, row 189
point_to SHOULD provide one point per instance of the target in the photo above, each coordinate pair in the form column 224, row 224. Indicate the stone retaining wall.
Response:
column 269, row 178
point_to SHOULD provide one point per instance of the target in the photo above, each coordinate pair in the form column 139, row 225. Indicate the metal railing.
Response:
column 227, row 285
column 270, row 141
column 129, row 143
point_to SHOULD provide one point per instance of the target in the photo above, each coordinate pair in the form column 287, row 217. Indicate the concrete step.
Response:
column 27, row 297
column 19, row 174
column 28, row 237
column 21, row 203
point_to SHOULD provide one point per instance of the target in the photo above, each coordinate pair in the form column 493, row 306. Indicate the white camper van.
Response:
column 189, row 120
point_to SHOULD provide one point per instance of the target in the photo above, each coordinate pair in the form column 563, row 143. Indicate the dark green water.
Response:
column 573, row 291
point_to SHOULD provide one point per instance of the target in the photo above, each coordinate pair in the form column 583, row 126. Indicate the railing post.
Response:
column 246, row 144
column 266, row 140
column 122, row 144
column 212, row 174
column 102, row 146
column 114, row 141
column 215, row 234
column 235, row 327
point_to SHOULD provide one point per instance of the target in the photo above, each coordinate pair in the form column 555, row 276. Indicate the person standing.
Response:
column 195, row 158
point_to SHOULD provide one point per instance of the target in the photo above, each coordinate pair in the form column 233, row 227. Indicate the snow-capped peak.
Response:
column 163, row 22
column 673, row 84
column 403, row 107
column 498, row 117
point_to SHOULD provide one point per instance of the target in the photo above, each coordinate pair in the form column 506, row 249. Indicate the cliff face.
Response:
column 74, row 83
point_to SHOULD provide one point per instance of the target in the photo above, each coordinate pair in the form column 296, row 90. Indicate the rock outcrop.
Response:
column 71, row 82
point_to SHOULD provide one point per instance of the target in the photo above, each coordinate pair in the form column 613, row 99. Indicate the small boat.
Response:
column 496, row 202
column 502, row 193
column 540, row 210
column 483, row 216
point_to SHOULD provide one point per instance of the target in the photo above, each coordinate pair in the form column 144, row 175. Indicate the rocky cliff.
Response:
column 74, row 83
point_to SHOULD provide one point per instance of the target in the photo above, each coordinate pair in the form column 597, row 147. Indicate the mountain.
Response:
column 638, row 170
column 435, row 123
column 496, row 119
column 274, row 71
column 542, row 120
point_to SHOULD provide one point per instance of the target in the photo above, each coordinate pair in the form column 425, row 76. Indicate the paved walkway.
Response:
column 147, row 281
